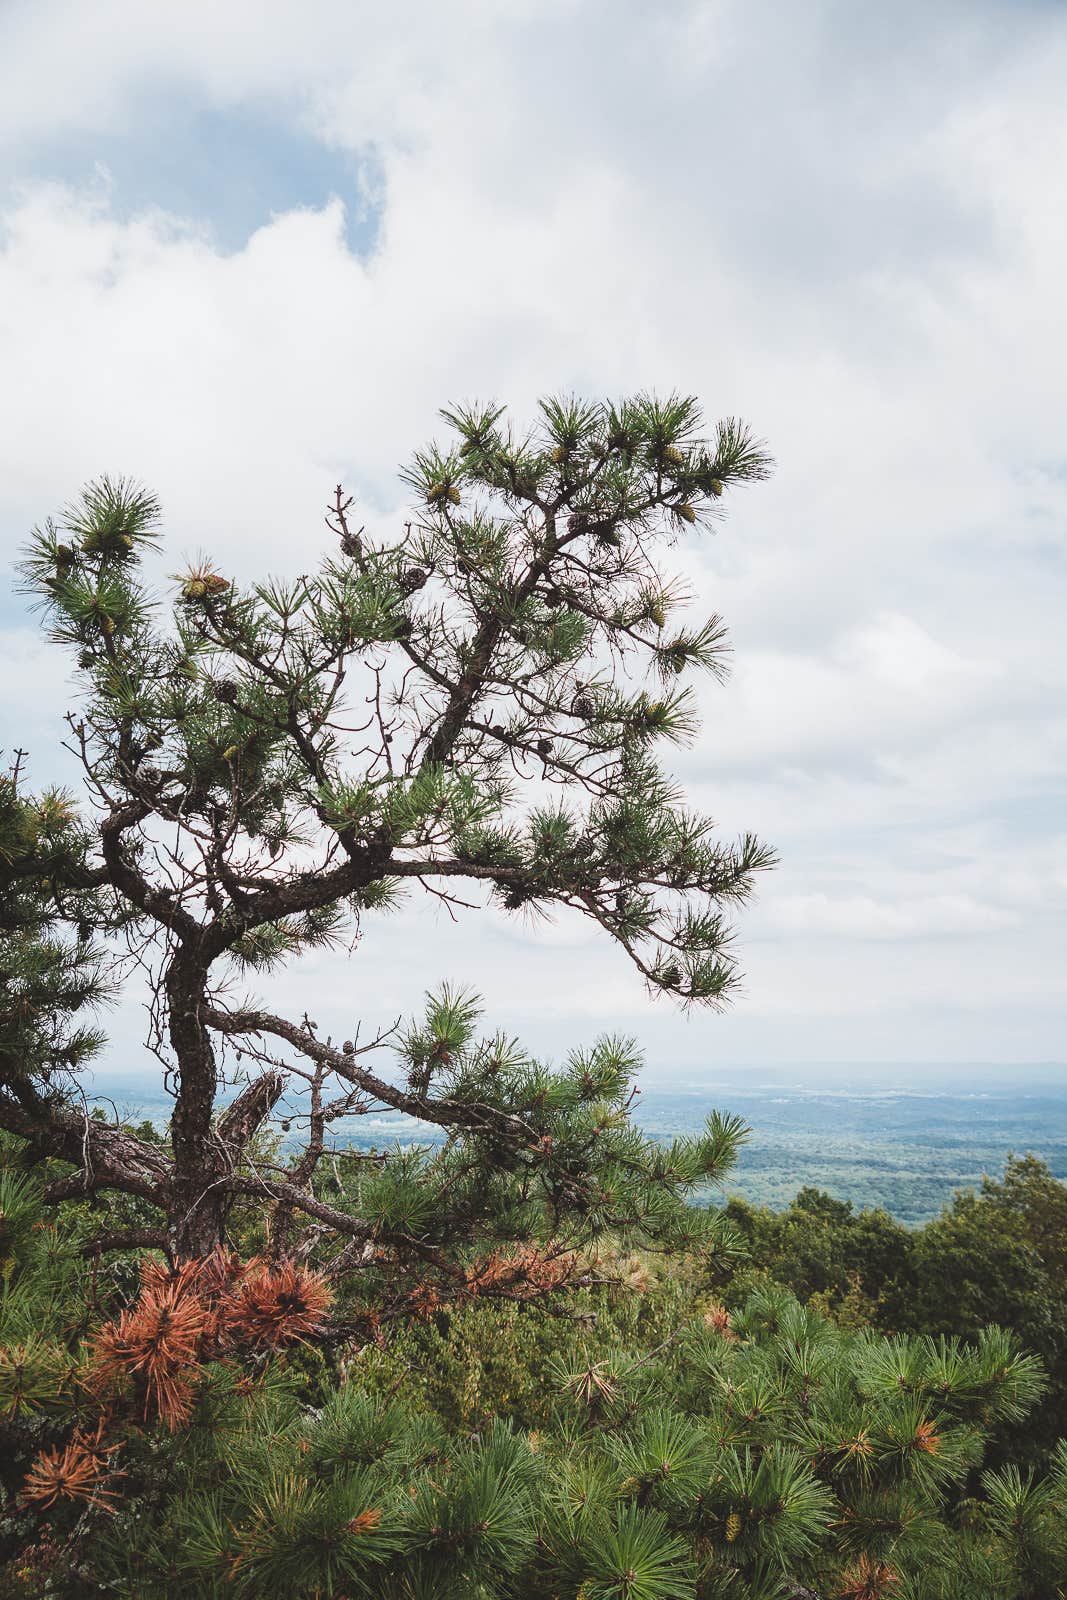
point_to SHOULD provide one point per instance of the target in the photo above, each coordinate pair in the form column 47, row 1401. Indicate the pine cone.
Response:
column 442, row 494
column 226, row 691
column 203, row 585
column 544, row 748
column 412, row 579
column 582, row 705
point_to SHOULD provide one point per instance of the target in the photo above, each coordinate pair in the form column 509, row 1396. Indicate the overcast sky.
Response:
column 248, row 250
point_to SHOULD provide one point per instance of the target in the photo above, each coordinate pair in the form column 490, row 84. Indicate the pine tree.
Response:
column 511, row 664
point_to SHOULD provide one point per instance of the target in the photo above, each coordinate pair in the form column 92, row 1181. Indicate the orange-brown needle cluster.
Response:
column 198, row 1311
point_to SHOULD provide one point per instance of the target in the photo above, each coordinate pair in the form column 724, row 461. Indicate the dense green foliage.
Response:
column 997, row 1255
column 636, row 1440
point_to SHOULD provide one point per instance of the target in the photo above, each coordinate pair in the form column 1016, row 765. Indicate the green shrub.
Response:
column 645, row 1444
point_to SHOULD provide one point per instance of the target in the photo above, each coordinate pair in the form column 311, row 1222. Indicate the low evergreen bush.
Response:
column 645, row 1444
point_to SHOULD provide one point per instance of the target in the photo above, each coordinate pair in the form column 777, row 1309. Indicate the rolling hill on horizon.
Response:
column 891, row 1139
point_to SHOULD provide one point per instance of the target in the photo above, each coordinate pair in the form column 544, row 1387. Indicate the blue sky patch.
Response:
column 228, row 169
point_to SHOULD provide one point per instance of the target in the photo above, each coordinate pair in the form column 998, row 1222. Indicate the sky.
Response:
column 248, row 251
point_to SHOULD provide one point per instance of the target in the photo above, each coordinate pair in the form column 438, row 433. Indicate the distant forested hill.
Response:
column 874, row 1142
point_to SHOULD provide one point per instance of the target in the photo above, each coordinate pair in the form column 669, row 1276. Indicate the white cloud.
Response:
column 848, row 239
column 865, row 917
